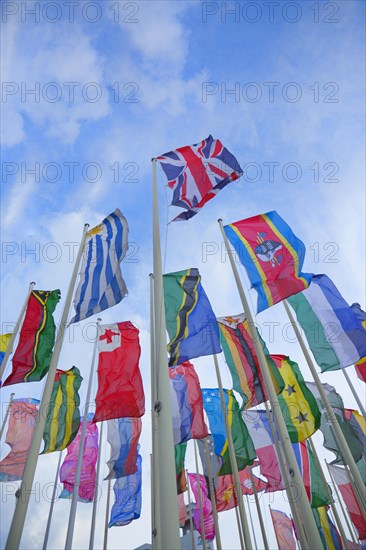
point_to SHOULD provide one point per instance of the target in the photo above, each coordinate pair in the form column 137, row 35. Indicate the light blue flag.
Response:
column 127, row 506
column 101, row 285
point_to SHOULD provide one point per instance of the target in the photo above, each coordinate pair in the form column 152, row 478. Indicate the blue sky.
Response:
column 141, row 77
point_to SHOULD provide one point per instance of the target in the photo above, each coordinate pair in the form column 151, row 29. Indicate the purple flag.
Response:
column 206, row 506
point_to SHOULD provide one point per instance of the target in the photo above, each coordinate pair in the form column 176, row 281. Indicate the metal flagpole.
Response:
column 357, row 482
column 96, row 491
column 354, row 393
column 306, row 513
column 213, row 497
column 297, row 540
column 166, row 475
column 6, row 415
column 251, row 523
column 17, row 524
column 190, row 512
column 9, row 349
column 259, row 511
column 329, row 494
column 105, row 541
column 203, row 533
column 240, row 530
column 234, row 465
column 47, row 533
column 344, row 512
column 75, row 493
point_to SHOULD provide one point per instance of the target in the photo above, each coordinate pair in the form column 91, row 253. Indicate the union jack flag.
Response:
column 196, row 173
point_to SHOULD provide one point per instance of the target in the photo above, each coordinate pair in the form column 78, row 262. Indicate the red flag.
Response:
column 282, row 526
column 120, row 391
column 225, row 490
column 360, row 367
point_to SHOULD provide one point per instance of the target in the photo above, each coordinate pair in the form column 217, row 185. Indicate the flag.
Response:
column 120, row 391
column 260, row 431
column 127, row 491
column 198, row 483
column 328, row 533
column 335, row 331
column 330, row 441
column 123, row 437
column 225, row 489
column 32, row 357
column 182, row 511
column 360, row 367
column 358, row 425
column 180, row 455
column 341, row 479
column 22, row 422
column 63, row 415
column 101, row 284
column 272, row 256
column 4, row 342
column 190, row 321
column 215, row 460
column 311, row 477
column 88, row 473
column 243, row 445
column 282, row 526
column 242, row 360
column 187, row 408
column 196, row 173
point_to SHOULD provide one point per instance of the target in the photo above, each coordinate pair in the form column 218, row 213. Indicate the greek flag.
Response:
column 101, row 284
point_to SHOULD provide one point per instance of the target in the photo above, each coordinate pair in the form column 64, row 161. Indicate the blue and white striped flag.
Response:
column 101, row 284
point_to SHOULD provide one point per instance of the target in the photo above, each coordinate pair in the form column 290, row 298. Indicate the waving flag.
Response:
column 330, row 537
column 63, row 415
column 313, row 483
column 120, row 391
column 22, row 422
column 335, row 331
column 243, row 363
column 127, row 490
column 4, row 342
column 190, row 321
column 187, row 408
column 101, row 285
column 198, row 483
column 272, row 256
column 180, row 455
column 196, row 173
column 225, row 489
column 243, row 445
column 360, row 367
column 358, row 425
column 123, row 437
column 282, row 526
column 32, row 357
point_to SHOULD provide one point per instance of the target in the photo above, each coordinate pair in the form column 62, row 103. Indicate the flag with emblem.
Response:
column 120, row 391
column 180, row 472
column 123, row 437
column 63, row 415
column 272, row 256
column 225, row 489
column 187, row 408
column 298, row 405
column 242, row 360
column 128, row 494
column 196, row 173
column 190, row 321
column 32, row 357
column 335, row 331
column 101, row 285
column 282, row 526
column 198, row 484
column 328, row 533
column 4, row 342
column 243, row 445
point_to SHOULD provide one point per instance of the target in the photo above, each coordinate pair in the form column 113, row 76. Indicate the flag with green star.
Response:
column 298, row 404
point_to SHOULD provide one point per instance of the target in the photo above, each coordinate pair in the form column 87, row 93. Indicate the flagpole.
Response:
column 190, row 512
column 9, row 349
column 344, row 512
column 329, row 494
column 6, row 414
column 203, row 533
column 313, row 537
column 357, row 482
column 234, row 465
column 96, row 492
column 259, row 511
column 50, row 513
column 354, row 393
column 240, row 530
column 167, row 504
column 105, row 541
column 213, row 495
column 75, row 493
column 251, row 523
column 17, row 524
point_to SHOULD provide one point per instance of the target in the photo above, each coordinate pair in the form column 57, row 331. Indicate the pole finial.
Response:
column 151, row 274
column 219, row 220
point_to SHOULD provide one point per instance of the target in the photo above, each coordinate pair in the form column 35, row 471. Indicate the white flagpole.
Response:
column 259, row 511
column 96, row 491
column 167, row 494
column 105, row 541
column 357, row 482
column 47, row 533
column 203, row 533
column 306, row 513
column 251, row 523
column 354, row 393
column 240, row 530
column 6, row 415
column 213, row 496
column 75, row 493
column 9, row 349
column 17, row 524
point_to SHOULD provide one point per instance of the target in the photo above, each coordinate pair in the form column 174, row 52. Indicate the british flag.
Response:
column 196, row 173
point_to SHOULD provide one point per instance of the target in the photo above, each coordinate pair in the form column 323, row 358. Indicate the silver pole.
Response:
column 96, row 491
column 6, row 415
column 251, row 523
column 259, row 511
column 52, row 504
column 203, row 533
column 213, row 495
column 105, row 541
column 190, row 512
column 354, row 393
column 344, row 512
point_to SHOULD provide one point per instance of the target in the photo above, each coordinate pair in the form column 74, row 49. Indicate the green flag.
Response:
column 180, row 455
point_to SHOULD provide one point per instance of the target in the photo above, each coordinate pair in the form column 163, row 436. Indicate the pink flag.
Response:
column 88, row 473
column 282, row 525
column 206, row 506
column 341, row 478
column 22, row 421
